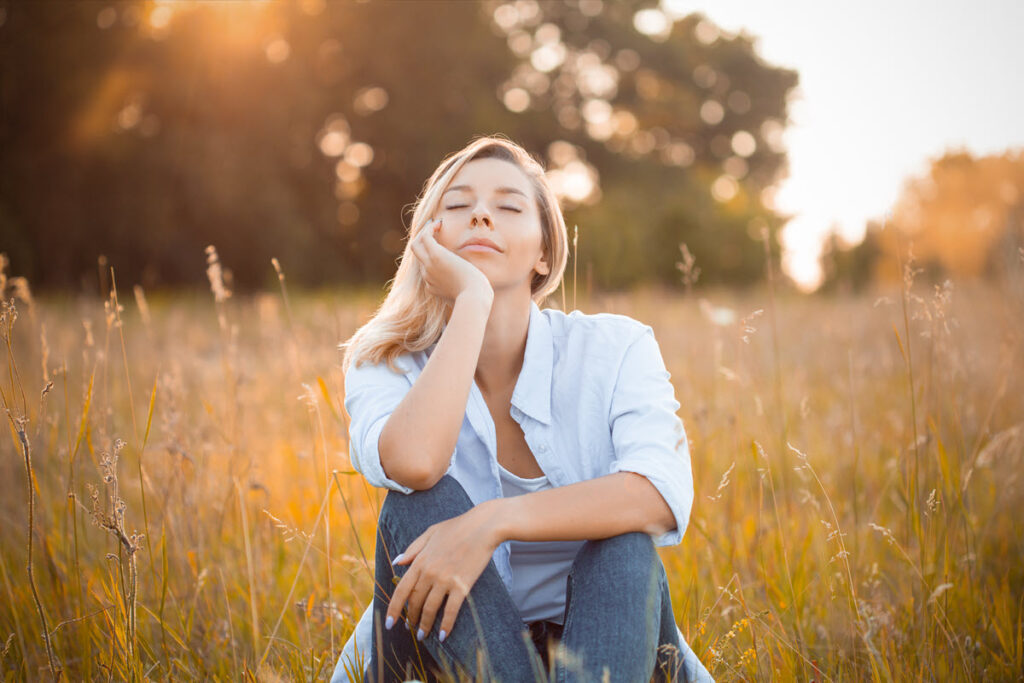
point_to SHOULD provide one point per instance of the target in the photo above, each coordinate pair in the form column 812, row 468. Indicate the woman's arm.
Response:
column 453, row 553
column 596, row 508
column 418, row 439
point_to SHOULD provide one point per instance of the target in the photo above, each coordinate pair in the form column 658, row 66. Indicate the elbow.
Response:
column 416, row 479
column 418, row 473
column 658, row 516
column 664, row 521
column 426, row 480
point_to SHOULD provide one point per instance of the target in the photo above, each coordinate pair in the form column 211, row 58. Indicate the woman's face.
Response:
column 493, row 199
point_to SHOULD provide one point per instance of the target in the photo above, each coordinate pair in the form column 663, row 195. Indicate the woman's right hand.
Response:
column 445, row 273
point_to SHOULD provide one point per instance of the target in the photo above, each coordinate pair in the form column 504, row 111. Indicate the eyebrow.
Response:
column 500, row 190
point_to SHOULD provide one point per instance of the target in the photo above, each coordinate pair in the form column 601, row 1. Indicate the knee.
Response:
column 446, row 497
column 627, row 557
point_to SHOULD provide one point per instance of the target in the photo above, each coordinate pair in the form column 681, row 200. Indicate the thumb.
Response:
column 413, row 550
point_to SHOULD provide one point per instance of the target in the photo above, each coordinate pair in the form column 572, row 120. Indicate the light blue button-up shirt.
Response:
column 593, row 398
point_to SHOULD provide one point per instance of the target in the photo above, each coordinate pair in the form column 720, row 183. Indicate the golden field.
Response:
column 193, row 514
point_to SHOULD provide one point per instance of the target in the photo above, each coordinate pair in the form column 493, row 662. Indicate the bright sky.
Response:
column 885, row 86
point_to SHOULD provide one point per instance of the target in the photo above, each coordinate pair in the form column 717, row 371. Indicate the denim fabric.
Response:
column 618, row 612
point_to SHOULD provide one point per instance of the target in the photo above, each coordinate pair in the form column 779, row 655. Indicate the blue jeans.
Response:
column 618, row 611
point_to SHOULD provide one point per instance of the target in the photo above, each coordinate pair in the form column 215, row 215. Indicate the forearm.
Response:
column 596, row 508
column 421, row 433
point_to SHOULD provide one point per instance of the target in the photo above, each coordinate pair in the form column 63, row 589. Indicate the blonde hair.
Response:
column 411, row 318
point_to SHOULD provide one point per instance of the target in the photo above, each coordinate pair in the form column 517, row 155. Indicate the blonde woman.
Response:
column 534, row 458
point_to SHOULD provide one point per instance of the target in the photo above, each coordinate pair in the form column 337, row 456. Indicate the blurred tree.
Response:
column 1004, row 260
column 964, row 218
column 849, row 268
column 145, row 131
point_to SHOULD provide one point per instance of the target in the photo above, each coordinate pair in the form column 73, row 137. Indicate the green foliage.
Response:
column 146, row 145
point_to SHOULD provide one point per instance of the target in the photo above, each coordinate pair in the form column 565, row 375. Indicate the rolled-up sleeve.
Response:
column 647, row 434
column 372, row 392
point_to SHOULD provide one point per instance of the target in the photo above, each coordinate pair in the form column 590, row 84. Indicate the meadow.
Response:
column 177, row 502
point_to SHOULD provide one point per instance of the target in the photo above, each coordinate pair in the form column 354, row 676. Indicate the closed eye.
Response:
column 462, row 206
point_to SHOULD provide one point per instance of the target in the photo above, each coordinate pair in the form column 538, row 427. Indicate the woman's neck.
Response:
column 504, row 343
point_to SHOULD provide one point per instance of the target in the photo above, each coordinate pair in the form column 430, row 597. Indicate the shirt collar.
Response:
column 532, row 393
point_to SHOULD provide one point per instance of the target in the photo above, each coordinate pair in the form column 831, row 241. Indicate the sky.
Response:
column 885, row 88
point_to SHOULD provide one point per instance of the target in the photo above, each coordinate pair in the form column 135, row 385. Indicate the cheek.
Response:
column 526, row 249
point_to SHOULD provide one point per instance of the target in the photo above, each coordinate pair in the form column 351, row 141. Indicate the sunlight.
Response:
column 237, row 24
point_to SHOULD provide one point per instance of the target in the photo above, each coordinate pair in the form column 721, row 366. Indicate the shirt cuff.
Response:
column 669, row 487
column 368, row 462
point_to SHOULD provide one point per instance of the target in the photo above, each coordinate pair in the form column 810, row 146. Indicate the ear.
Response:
column 542, row 266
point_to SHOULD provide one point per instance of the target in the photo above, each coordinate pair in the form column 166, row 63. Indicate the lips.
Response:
column 480, row 242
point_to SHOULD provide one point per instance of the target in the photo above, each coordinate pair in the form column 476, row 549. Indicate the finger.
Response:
column 415, row 547
column 427, row 237
column 430, row 242
column 398, row 598
column 456, row 596
column 420, row 251
column 420, row 238
column 430, row 607
column 430, row 239
column 427, row 229
column 416, row 239
column 416, row 597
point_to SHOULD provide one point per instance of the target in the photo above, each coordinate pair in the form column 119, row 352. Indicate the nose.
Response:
column 481, row 215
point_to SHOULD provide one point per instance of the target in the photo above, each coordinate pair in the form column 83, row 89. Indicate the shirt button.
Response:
column 542, row 448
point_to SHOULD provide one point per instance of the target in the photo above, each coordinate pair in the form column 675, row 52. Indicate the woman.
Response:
column 530, row 455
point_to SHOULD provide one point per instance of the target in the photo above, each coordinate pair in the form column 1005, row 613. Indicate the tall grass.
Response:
column 181, row 505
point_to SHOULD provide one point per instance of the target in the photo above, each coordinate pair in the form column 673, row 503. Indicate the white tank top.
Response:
column 539, row 568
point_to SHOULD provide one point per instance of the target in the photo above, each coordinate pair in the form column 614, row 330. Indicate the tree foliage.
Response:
column 305, row 130
column 964, row 218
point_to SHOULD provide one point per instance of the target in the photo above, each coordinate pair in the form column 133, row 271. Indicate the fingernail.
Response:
column 420, row 634
column 398, row 559
column 389, row 622
column 441, row 636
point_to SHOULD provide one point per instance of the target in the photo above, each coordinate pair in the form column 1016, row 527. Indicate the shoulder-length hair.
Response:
column 411, row 318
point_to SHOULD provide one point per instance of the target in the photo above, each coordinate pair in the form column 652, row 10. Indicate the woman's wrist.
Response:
column 498, row 516
column 476, row 298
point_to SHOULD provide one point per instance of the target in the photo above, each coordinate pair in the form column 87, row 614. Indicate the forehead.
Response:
column 490, row 175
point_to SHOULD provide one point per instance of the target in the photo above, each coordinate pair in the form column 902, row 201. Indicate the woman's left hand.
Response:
column 446, row 559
